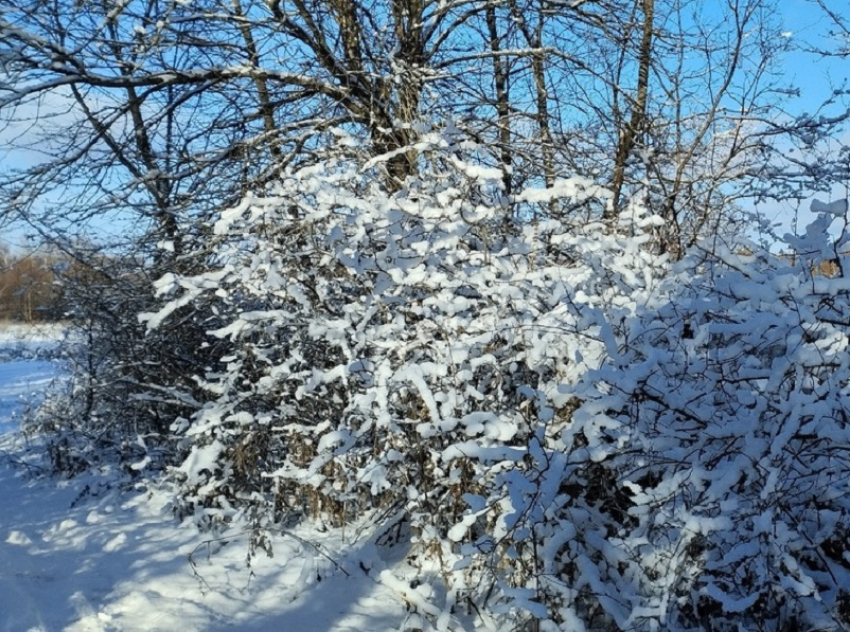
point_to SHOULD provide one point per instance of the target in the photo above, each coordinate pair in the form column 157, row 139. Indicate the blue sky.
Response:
column 815, row 76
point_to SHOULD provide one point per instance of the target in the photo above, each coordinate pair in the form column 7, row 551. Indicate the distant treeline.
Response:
column 29, row 285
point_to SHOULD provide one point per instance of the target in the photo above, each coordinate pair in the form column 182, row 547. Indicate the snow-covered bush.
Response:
column 572, row 430
column 372, row 333
column 125, row 384
column 702, row 480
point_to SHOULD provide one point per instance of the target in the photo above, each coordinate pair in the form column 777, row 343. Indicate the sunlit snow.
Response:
column 80, row 556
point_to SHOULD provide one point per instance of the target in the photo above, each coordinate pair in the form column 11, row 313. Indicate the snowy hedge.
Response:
column 571, row 429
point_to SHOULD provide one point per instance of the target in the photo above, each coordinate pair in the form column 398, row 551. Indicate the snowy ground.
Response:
column 78, row 556
column 26, row 368
column 21, row 382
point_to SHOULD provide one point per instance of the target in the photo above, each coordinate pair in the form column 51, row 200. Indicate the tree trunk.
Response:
column 631, row 131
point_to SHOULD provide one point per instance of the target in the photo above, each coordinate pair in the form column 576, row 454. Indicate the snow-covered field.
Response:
column 80, row 556
column 21, row 382
column 26, row 368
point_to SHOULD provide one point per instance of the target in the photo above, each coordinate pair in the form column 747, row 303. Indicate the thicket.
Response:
column 475, row 275
column 571, row 430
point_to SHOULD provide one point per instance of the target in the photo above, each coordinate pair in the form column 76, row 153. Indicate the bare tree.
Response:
column 673, row 100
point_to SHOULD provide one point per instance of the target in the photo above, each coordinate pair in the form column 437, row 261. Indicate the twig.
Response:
column 316, row 547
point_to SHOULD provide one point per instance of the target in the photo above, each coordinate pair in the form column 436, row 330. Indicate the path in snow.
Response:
column 78, row 556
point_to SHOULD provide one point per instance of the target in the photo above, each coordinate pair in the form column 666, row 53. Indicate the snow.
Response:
column 25, row 368
column 82, row 555
column 109, row 563
column 837, row 208
column 21, row 381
